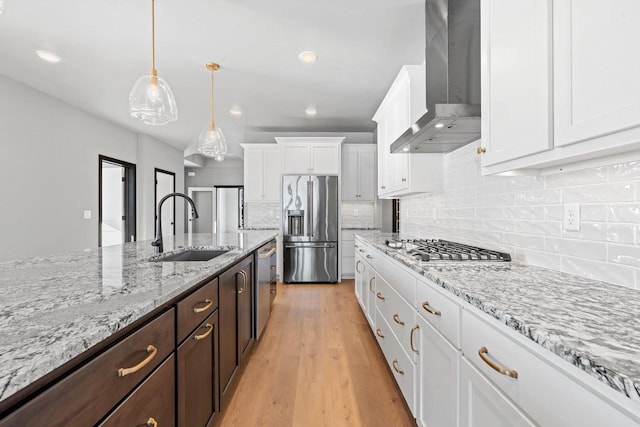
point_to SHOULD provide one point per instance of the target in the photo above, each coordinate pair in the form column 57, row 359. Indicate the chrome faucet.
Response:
column 158, row 242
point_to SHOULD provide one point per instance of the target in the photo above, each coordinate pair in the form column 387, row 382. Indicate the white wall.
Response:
column 227, row 172
column 49, row 172
column 523, row 216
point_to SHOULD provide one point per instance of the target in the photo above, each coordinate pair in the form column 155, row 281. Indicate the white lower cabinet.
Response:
column 458, row 367
column 437, row 379
column 483, row 405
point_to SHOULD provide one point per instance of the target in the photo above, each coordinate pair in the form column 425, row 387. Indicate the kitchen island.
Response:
column 525, row 315
column 55, row 309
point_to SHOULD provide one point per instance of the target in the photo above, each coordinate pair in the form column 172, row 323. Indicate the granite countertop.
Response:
column 592, row 325
column 56, row 307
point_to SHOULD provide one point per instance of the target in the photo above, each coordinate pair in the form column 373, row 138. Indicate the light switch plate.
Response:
column 87, row 214
column 191, row 173
column 572, row 216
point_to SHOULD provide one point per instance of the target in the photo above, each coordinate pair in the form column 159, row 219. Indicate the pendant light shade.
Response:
column 212, row 142
column 151, row 100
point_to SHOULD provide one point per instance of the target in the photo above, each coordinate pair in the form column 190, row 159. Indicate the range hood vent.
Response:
column 452, row 67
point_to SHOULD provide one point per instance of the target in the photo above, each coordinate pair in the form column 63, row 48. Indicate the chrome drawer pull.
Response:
column 370, row 288
column 379, row 333
column 396, row 318
column 369, row 257
column 152, row 350
column 208, row 303
column 379, row 295
column 395, row 366
column 357, row 264
column 483, row 352
column 430, row 310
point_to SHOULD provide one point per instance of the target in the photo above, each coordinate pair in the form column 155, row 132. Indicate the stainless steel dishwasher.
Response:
column 266, row 277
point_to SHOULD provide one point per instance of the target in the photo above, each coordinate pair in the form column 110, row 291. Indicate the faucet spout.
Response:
column 158, row 241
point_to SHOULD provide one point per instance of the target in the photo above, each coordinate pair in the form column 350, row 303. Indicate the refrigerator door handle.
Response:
column 306, row 246
column 310, row 207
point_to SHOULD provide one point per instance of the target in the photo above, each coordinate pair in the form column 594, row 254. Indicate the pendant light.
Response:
column 212, row 142
column 151, row 100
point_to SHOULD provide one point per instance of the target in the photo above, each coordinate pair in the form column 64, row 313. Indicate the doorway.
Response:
column 165, row 183
column 205, row 200
column 116, row 201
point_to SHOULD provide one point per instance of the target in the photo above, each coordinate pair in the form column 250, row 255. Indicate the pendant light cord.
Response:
column 213, row 126
column 153, row 38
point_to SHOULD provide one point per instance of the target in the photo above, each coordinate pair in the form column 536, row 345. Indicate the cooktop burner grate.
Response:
column 444, row 250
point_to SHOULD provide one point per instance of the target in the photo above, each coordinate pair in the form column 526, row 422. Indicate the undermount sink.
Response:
column 190, row 255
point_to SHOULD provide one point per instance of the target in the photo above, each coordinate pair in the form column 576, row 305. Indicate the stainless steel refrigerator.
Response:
column 310, row 228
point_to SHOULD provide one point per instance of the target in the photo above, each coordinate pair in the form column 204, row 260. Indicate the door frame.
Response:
column 212, row 190
column 155, row 199
column 129, row 195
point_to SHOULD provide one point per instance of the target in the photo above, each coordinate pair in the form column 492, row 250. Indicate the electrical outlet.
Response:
column 434, row 215
column 87, row 214
column 572, row 216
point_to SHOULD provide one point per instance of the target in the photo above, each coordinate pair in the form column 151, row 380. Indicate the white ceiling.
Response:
column 106, row 45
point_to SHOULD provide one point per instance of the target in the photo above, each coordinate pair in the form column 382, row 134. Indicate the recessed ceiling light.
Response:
column 311, row 111
column 439, row 125
column 308, row 56
column 48, row 56
column 236, row 111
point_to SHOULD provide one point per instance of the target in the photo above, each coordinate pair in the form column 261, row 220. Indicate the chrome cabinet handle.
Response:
column 152, row 350
column 370, row 288
column 481, row 150
column 396, row 367
column 208, row 303
column 415, row 328
column 396, row 318
column 483, row 352
column 430, row 310
column 379, row 333
column 357, row 264
column 369, row 256
column 379, row 295
column 209, row 327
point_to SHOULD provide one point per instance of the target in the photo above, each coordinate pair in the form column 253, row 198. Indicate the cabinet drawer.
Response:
column 85, row 396
column 153, row 401
column 397, row 312
column 196, row 307
column 399, row 363
column 547, row 394
column 396, row 275
column 440, row 311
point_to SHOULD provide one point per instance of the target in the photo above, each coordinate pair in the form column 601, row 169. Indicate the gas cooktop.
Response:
column 444, row 250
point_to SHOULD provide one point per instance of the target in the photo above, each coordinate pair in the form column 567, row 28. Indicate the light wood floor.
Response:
column 317, row 364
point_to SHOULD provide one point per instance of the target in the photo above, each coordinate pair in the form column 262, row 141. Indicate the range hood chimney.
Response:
column 453, row 80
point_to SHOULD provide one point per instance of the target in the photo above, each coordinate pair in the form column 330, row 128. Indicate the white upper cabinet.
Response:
column 261, row 172
column 310, row 155
column 559, row 82
column 596, row 68
column 401, row 174
column 358, row 172
column 516, row 79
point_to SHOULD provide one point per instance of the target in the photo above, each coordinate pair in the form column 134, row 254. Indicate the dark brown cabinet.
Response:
column 236, row 328
column 151, row 403
column 198, row 402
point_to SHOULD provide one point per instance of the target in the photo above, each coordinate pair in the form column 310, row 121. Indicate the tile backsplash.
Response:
column 357, row 214
column 262, row 214
column 523, row 216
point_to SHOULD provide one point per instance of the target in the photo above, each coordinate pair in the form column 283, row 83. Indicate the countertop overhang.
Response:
column 55, row 308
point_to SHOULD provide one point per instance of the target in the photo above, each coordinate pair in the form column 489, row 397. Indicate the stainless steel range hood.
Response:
column 453, row 80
